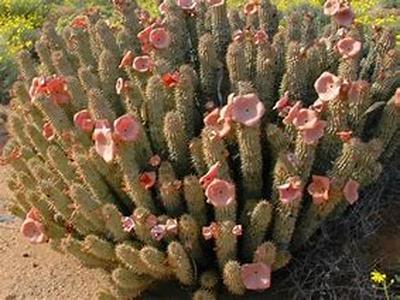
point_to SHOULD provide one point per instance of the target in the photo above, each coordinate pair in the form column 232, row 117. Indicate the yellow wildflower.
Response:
column 378, row 277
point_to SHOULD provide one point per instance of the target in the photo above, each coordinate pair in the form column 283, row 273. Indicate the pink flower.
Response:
column 214, row 3
column 155, row 161
column 55, row 87
column 121, row 86
column 159, row 38
column 319, row 189
column 256, row 276
column 237, row 230
column 48, row 131
column 104, row 142
column 238, row 35
column 171, row 226
column 290, row 191
column 33, row 214
column 163, row 8
column 314, row 131
column 348, row 47
column 128, row 224
column 80, row 22
column 345, row 136
column 187, row 4
column 331, row 7
column 350, row 191
column 292, row 114
column 210, row 232
column 397, row 98
column 127, row 60
column 158, row 232
column 220, row 193
column 260, row 37
column 283, row 105
column 127, row 128
column 222, row 126
column 147, row 180
column 319, row 106
column 250, row 8
column 171, row 79
column 120, row 4
column 84, row 121
column 144, row 35
column 345, row 16
column 142, row 64
column 32, row 229
column 304, row 118
column 211, row 175
column 247, row 110
column 328, row 86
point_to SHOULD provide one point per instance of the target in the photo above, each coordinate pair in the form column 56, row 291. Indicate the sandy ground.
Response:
column 36, row 272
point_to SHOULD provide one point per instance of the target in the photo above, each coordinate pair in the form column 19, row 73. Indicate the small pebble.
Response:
column 25, row 254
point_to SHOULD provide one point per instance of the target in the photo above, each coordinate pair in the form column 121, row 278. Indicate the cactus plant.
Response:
column 206, row 146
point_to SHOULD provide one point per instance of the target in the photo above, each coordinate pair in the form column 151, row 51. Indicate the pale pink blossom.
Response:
column 319, row 189
column 147, row 180
column 348, row 47
column 211, row 175
column 237, row 230
column 247, row 110
column 397, row 98
column 250, row 8
column 187, row 4
column 345, row 16
column 127, row 60
column 260, row 37
column 142, row 64
column 83, row 120
column 215, row 3
column 283, row 105
column 256, row 276
column 350, row 191
column 221, row 126
column 32, row 229
column 304, row 118
column 163, row 8
column 331, row 7
column 220, row 193
column 104, row 142
column 48, row 131
column 290, row 191
column 121, row 86
column 158, row 232
column 292, row 114
column 159, row 38
column 314, row 131
column 345, row 136
column 319, row 106
column 128, row 224
column 238, row 35
column 211, row 231
column 328, row 86
column 171, row 226
column 155, row 161
column 144, row 36
column 127, row 128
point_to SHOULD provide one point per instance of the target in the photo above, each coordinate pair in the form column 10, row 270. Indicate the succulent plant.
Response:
column 204, row 146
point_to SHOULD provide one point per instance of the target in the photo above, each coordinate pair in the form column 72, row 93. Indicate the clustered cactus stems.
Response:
column 205, row 145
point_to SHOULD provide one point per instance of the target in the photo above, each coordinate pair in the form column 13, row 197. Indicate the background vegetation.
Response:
column 20, row 22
